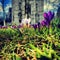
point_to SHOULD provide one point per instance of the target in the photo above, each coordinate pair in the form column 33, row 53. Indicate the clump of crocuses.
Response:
column 3, row 27
column 14, row 26
column 47, row 18
column 36, row 25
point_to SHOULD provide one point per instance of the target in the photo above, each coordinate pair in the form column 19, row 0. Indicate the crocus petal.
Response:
column 46, row 16
column 14, row 26
column 44, row 23
column 51, row 15
column 35, row 26
column 4, row 27
column 19, row 26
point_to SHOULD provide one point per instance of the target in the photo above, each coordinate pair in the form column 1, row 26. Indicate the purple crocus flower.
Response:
column 51, row 15
column 19, row 26
column 35, row 26
column 4, row 27
column 44, row 23
column 48, row 17
column 14, row 27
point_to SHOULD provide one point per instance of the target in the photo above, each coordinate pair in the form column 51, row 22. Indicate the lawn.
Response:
column 39, row 41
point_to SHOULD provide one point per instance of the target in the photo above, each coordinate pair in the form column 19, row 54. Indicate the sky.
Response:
column 7, row 4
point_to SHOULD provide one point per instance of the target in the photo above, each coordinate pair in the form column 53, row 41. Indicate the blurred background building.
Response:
column 13, row 11
column 33, row 8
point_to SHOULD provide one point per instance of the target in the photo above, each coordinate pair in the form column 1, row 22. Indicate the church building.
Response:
column 31, row 8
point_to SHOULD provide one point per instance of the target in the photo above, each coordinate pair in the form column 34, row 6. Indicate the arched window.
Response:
column 27, row 8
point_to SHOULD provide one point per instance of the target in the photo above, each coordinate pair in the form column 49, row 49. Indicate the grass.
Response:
column 27, row 43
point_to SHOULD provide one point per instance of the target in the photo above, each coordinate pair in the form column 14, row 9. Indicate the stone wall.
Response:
column 37, row 8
